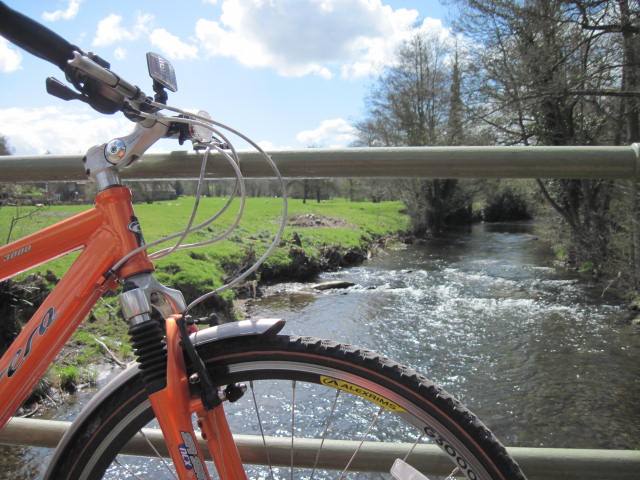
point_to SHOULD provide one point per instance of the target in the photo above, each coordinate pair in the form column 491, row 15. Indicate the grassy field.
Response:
column 254, row 233
column 312, row 228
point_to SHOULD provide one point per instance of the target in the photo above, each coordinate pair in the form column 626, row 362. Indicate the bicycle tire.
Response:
column 116, row 415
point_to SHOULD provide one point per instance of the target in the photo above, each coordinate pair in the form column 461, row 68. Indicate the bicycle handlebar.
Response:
column 100, row 87
column 35, row 38
column 106, row 76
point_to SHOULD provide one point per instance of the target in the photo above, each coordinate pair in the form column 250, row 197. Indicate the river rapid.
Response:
column 540, row 355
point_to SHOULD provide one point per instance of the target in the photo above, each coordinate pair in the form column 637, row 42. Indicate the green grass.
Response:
column 67, row 377
column 208, row 266
column 199, row 270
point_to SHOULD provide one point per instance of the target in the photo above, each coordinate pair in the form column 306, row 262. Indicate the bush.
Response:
column 506, row 206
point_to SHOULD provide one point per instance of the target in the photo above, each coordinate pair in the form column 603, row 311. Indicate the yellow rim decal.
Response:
column 361, row 392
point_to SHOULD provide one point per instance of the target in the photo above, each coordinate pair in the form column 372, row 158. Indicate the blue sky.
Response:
column 288, row 73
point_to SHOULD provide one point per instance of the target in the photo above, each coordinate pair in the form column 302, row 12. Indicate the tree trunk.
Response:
column 631, row 82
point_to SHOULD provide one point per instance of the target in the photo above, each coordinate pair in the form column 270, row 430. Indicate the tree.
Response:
column 4, row 146
column 550, row 77
column 622, row 20
column 179, row 188
column 406, row 108
column 411, row 106
column 7, row 190
column 455, row 126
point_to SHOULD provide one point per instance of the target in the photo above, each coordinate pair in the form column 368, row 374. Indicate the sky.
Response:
column 287, row 73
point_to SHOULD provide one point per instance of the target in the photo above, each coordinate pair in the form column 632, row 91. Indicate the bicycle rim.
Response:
column 347, row 413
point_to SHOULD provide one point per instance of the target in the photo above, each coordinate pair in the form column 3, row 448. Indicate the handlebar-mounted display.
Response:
column 162, row 71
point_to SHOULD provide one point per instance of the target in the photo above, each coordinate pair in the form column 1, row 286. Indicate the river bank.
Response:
column 318, row 237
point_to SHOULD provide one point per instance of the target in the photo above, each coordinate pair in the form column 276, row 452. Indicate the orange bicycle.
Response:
column 338, row 409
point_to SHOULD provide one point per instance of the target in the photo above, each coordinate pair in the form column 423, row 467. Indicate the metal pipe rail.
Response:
column 537, row 463
column 401, row 162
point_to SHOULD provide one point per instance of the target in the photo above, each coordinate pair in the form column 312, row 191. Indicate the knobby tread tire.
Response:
column 86, row 444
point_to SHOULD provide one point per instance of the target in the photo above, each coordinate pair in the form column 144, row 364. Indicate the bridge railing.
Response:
column 429, row 162
column 537, row 463
column 433, row 162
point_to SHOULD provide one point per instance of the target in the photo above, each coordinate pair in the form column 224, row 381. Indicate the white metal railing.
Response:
column 433, row 162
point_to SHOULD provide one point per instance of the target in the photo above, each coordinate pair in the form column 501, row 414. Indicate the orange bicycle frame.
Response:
column 102, row 232
column 105, row 234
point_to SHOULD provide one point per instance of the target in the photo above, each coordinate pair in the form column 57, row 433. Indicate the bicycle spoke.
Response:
column 133, row 474
column 126, row 468
column 264, row 441
column 364, row 437
column 325, row 402
column 324, row 434
column 415, row 444
column 164, row 462
column 455, row 472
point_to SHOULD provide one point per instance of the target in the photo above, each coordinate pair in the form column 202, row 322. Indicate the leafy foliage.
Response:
column 551, row 72
column 417, row 102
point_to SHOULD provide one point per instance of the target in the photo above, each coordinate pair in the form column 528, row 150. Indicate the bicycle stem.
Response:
column 103, row 162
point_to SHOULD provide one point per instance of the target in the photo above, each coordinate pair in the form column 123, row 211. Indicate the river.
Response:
column 539, row 354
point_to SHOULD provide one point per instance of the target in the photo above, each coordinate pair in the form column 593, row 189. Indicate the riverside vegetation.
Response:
column 319, row 236
column 536, row 72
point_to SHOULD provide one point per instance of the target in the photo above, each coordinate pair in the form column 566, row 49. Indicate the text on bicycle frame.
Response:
column 23, row 352
column 16, row 253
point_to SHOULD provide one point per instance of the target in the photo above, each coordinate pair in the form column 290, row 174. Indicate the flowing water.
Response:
column 537, row 353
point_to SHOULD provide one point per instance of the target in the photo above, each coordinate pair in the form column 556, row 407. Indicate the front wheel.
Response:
column 344, row 410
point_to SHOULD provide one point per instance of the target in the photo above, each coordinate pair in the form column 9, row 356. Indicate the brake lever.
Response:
column 58, row 89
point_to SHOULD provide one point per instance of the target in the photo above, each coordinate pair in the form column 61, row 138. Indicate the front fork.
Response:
column 161, row 358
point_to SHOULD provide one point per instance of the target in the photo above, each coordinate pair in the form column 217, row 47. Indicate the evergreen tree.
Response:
column 455, row 132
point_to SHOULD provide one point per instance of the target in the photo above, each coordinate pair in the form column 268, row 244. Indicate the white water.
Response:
column 535, row 352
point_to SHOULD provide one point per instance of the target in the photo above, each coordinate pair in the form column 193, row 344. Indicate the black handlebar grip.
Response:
column 34, row 37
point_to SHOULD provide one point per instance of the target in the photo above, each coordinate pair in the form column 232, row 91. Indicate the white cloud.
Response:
column 68, row 130
column 10, row 59
column 336, row 133
column 373, row 54
column 68, row 14
column 268, row 146
column 321, row 37
column 172, row 46
column 120, row 53
column 110, row 30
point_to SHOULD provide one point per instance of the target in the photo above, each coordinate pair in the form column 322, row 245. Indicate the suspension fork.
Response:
column 162, row 361
column 173, row 406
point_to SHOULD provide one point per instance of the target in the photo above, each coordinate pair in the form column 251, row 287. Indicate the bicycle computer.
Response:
column 161, row 70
